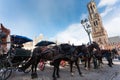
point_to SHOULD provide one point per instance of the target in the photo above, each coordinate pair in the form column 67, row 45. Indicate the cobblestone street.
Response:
column 104, row 73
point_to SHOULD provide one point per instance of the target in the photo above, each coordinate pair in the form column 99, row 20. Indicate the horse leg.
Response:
column 57, row 72
column 88, row 62
column 34, row 68
column 110, row 62
column 76, row 63
column 85, row 63
column 54, row 71
column 71, row 66
column 32, row 74
column 100, row 62
column 35, row 73
column 56, row 64
column 95, row 62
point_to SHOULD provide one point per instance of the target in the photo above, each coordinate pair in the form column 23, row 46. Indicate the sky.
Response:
column 57, row 19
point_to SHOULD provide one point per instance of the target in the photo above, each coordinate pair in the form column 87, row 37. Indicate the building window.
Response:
column 95, row 23
column 91, row 9
column 94, row 6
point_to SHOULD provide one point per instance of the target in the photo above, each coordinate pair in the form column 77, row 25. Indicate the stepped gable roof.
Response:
column 115, row 39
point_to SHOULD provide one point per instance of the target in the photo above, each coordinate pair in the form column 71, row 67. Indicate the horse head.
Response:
column 115, row 51
column 93, row 46
column 96, row 45
column 82, row 50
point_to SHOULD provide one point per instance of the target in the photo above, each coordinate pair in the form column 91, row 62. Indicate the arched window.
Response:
column 94, row 6
column 96, row 23
column 91, row 7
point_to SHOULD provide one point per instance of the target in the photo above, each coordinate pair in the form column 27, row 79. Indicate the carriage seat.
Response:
column 22, row 52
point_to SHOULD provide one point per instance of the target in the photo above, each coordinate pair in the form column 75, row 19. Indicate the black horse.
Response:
column 90, row 55
column 80, row 51
column 107, row 54
column 55, row 55
column 114, row 53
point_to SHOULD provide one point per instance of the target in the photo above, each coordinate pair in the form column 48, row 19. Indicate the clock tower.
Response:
column 99, row 34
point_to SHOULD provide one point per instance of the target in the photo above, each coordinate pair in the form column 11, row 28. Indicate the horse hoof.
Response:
column 72, row 74
column 34, row 75
column 58, row 76
column 86, row 68
column 109, row 65
column 54, row 78
column 81, row 75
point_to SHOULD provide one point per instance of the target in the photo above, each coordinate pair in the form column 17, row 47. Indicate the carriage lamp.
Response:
column 87, row 27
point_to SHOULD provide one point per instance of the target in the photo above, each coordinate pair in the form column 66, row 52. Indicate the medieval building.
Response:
column 31, row 45
column 99, row 34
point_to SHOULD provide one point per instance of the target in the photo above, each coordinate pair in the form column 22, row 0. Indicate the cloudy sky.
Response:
column 57, row 19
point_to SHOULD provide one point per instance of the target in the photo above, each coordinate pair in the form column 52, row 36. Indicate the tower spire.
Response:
column 99, row 34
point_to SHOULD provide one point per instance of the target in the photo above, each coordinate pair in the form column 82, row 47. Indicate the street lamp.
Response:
column 86, row 27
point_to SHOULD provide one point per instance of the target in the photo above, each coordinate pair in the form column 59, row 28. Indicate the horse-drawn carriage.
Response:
column 15, row 56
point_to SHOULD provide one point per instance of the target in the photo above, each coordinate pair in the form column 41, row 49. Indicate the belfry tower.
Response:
column 99, row 34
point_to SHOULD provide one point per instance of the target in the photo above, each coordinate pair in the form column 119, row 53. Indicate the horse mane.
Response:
column 93, row 45
column 115, row 51
column 37, row 50
column 65, row 46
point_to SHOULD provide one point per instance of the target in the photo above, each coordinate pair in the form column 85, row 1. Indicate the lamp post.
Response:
column 86, row 27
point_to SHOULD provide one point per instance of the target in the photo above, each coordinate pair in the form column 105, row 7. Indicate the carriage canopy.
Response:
column 17, row 39
column 44, row 43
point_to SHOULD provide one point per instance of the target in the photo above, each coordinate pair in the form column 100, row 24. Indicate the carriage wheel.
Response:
column 5, row 72
column 41, row 65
